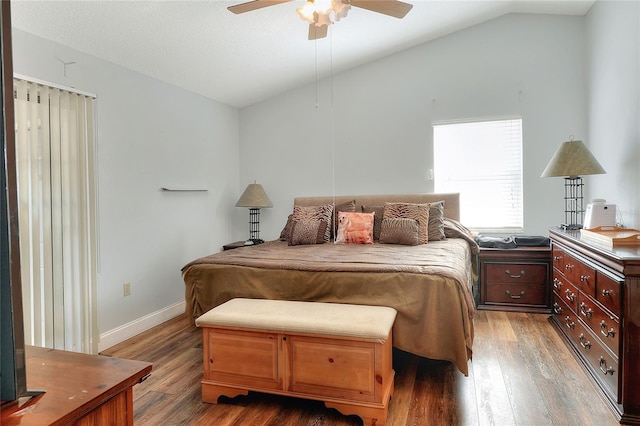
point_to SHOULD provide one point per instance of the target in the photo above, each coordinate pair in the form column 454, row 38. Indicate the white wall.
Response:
column 150, row 134
column 529, row 65
column 613, row 43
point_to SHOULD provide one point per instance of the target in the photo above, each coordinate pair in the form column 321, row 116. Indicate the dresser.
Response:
column 515, row 279
column 596, row 309
column 80, row 389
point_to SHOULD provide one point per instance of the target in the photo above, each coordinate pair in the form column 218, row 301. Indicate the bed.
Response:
column 429, row 285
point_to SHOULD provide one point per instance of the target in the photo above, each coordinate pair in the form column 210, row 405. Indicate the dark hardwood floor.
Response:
column 521, row 374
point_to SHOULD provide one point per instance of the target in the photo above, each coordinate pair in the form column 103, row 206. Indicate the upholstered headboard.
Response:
column 451, row 201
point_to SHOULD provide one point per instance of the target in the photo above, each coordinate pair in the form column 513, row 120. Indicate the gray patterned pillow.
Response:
column 377, row 219
column 419, row 212
column 400, row 231
column 436, row 221
column 305, row 232
column 318, row 213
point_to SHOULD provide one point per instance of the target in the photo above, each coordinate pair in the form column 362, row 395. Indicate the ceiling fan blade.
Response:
column 254, row 5
column 317, row 32
column 394, row 8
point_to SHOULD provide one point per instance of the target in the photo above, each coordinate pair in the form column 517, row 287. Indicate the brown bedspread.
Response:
column 429, row 285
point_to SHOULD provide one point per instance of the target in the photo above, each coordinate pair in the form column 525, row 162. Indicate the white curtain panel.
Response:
column 56, row 192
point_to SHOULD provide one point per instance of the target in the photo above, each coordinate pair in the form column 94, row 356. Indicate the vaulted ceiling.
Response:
column 242, row 59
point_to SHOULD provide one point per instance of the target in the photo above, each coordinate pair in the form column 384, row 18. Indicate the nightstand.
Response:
column 232, row 246
column 515, row 279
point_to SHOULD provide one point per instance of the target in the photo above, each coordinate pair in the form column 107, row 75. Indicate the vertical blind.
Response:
column 482, row 160
column 56, row 205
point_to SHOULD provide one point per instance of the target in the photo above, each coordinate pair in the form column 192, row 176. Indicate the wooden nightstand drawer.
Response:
column 515, row 279
column 516, row 273
column 522, row 294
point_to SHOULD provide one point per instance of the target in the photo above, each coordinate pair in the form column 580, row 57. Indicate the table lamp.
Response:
column 571, row 160
column 255, row 198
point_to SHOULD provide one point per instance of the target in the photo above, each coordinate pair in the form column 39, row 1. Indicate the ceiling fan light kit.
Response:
column 322, row 13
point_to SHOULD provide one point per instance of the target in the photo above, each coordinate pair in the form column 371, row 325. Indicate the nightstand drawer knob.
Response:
column 508, row 272
column 606, row 292
column 514, row 296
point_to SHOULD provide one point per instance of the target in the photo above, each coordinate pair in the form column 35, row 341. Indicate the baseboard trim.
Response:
column 120, row 334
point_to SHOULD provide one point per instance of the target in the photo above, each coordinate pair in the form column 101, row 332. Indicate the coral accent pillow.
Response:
column 355, row 228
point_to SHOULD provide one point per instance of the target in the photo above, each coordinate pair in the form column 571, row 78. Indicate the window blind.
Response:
column 482, row 160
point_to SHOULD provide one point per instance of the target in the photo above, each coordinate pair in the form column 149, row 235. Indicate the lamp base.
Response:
column 253, row 241
column 570, row 227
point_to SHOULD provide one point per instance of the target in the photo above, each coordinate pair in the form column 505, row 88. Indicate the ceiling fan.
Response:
column 321, row 13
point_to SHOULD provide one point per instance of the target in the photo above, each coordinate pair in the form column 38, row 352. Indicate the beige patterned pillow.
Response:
column 419, row 212
column 318, row 213
column 400, row 231
column 304, row 232
column 436, row 221
column 286, row 231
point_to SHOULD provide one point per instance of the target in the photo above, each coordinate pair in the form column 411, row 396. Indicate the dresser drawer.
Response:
column 603, row 325
column 516, row 273
column 601, row 361
column 608, row 293
column 569, row 294
column 558, row 258
column 525, row 294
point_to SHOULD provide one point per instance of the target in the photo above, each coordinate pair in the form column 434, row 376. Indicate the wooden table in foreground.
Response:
column 81, row 389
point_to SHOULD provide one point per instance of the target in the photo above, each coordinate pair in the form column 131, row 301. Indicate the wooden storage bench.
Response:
column 336, row 353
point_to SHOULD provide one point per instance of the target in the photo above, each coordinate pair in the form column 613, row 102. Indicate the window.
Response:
column 482, row 160
column 56, row 206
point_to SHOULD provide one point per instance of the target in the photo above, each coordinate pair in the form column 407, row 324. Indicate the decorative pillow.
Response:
column 419, row 212
column 304, row 232
column 355, row 228
column 349, row 206
column 377, row 219
column 318, row 213
column 436, row 221
column 286, row 231
column 400, row 231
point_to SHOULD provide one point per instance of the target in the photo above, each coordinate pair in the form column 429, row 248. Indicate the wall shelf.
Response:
column 180, row 189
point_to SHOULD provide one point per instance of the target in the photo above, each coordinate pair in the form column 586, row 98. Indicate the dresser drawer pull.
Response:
column 557, row 283
column 606, row 370
column 587, row 313
column 569, row 323
column 606, row 292
column 584, row 278
column 568, row 267
column 587, row 344
column 604, row 332
column 514, row 296
column 556, row 258
column 508, row 272
column 570, row 296
column 557, row 309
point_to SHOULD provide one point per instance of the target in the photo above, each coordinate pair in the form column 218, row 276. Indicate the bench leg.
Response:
column 211, row 393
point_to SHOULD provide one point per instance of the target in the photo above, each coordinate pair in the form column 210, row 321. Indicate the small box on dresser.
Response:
column 596, row 309
column 515, row 279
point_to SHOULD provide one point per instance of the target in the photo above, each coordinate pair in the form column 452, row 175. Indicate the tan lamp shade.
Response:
column 254, row 197
column 572, row 159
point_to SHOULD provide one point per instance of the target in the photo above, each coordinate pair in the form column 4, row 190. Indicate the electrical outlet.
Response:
column 126, row 289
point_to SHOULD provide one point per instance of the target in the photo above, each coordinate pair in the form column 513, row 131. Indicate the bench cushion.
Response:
column 329, row 319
